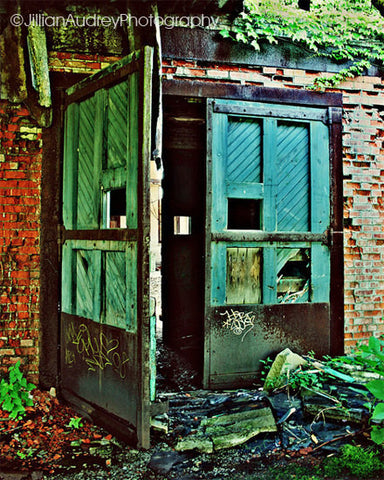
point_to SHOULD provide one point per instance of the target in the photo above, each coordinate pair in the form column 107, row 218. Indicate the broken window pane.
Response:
column 293, row 278
column 244, row 273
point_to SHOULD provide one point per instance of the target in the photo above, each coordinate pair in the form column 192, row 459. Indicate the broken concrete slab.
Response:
column 285, row 362
column 226, row 431
column 198, row 442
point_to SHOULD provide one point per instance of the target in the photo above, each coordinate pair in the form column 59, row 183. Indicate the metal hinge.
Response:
column 335, row 115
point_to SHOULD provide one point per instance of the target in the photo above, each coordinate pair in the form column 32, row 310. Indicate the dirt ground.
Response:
column 53, row 442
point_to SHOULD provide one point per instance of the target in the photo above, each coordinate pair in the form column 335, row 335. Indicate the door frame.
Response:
column 333, row 103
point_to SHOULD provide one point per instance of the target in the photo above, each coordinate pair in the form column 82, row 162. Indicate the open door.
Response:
column 268, row 236
column 105, row 324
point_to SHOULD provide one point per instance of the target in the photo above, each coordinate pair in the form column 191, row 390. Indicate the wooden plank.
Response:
column 70, row 166
column 131, row 287
column 117, row 125
column 245, row 190
column 67, row 277
column 132, row 153
column 269, row 275
column 292, row 152
column 320, row 273
column 114, row 178
column 111, row 74
column 269, row 165
column 145, row 142
column 218, row 273
column 203, row 89
column 243, row 284
column 243, row 160
column 97, row 285
column 85, row 286
column 219, row 210
column 320, row 167
column 115, row 289
column 88, row 187
column 208, row 247
column 103, row 234
column 103, row 245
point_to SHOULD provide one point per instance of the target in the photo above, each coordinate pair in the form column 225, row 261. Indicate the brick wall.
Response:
column 20, row 189
column 20, row 180
column 363, row 168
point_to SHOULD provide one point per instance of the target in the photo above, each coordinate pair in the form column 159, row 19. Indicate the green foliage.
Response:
column 371, row 358
column 294, row 472
column 15, row 394
column 342, row 30
column 75, row 422
column 355, row 460
column 304, row 378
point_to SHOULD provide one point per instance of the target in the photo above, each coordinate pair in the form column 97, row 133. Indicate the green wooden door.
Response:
column 267, row 249
column 105, row 331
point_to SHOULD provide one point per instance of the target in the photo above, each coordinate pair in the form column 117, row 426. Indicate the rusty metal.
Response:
column 337, row 250
column 122, row 234
column 242, row 335
column 260, row 109
column 242, row 236
column 200, row 88
column 94, row 354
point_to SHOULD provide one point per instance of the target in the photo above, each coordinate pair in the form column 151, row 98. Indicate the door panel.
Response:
column 105, row 326
column 268, row 214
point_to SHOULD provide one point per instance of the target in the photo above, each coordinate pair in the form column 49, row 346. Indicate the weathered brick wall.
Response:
column 20, row 189
column 77, row 62
column 363, row 148
column 20, row 180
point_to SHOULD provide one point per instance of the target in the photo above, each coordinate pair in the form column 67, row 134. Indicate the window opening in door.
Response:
column 115, row 209
column 244, row 214
column 182, row 225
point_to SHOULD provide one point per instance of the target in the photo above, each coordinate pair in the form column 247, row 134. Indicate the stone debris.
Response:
column 227, row 431
column 285, row 362
column 318, row 415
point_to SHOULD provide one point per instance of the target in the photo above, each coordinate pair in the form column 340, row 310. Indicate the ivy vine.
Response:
column 349, row 31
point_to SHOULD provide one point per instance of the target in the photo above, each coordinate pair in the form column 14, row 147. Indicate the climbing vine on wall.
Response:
column 343, row 30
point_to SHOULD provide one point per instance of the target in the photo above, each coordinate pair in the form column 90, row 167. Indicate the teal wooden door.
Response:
column 267, row 249
column 105, row 330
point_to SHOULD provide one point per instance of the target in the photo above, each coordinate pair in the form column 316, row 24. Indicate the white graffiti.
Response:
column 240, row 323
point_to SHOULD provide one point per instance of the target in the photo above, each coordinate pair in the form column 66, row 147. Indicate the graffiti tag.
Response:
column 240, row 323
column 98, row 352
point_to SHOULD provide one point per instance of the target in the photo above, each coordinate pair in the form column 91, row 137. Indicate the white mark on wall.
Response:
column 240, row 323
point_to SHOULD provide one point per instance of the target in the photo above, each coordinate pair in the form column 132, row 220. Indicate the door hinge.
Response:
column 335, row 115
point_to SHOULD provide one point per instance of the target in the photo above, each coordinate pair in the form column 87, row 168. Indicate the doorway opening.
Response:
column 177, row 275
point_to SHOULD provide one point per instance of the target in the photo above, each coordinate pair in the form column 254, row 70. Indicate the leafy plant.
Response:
column 356, row 460
column 345, row 31
column 75, row 422
column 15, row 394
column 26, row 453
column 371, row 357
